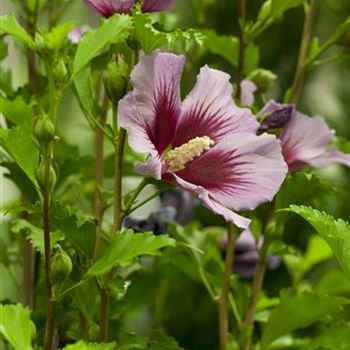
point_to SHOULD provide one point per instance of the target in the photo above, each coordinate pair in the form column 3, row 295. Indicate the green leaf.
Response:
column 335, row 232
column 81, row 345
column 113, row 30
column 280, row 6
column 126, row 246
column 9, row 25
column 55, row 38
column 16, row 326
column 81, row 236
column 227, row 47
column 18, row 112
column 148, row 37
column 35, row 234
column 298, row 310
column 334, row 337
column 10, row 283
column 21, row 147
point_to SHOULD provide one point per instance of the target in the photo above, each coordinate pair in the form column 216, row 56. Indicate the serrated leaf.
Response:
column 335, row 232
column 298, row 310
column 9, row 25
column 18, row 112
column 334, row 337
column 81, row 345
column 113, row 30
column 16, row 326
column 126, row 246
column 56, row 37
column 148, row 37
column 81, row 236
column 35, row 234
column 21, row 147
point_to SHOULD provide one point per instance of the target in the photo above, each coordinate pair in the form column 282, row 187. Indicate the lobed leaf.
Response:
column 126, row 246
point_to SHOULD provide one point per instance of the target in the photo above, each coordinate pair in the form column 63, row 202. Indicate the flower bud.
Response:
column 262, row 78
column 117, row 80
column 265, row 11
column 40, row 174
column 61, row 266
column 60, row 72
column 277, row 119
column 44, row 130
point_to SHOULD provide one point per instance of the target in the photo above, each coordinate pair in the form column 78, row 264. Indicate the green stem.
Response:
column 135, row 194
column 49, row 327
column 303, row 53
column 224, row 296
column 256, row 289
column 139, row 205
column 242, row 47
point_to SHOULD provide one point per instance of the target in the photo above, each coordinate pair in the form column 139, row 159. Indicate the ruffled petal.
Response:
column 156, row 5
column 304, row 139
column 209, row 110
column 330, row 157
column 155, row 97
column 108, row 8
column 241, row 171
column 247, row 92
column 210, row 203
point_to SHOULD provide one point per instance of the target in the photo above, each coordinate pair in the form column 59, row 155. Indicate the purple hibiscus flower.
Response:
column 205, row 145
column 305, row 141
column 108, row 8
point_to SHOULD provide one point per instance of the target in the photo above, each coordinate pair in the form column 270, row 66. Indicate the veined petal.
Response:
column 210, row 203
column 330, row 157
column 156, row 5
column 152, row 168
column 240, row 172
column 209, row 110
column 108, row 8
column 155, row 97
column 304, row 139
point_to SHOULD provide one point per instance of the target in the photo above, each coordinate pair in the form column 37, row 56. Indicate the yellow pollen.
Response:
column 178, row 157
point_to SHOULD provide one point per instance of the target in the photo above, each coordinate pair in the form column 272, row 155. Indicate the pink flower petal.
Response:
column 241, row 171
column 156, row 97
column 247, row 92
column 156, row 5
column 209, row 110
column 330, row 157
column 108, row 8
column 210, row 203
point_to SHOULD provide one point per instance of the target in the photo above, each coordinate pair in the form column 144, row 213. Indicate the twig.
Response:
column 304, row 50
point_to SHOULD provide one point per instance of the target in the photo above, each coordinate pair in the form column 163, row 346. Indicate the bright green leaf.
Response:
column 18, row 112
column 21, row 147
column 113, row 30
column 335, row 232
column 81, row 345
column 126, row 246
column 280, row 6
column 57, row 36
column 9, row 25
column 16, row 326
column 298, row 310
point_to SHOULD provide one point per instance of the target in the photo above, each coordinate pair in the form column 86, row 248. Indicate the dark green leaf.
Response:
column 298, row 310
column 335, row 232
column 16, row 326
column 126, row 246
column 113, row 30
column 21, row 147
column 9, row 25
column 334, row 337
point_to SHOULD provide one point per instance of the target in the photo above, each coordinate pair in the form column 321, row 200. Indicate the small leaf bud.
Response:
column 60, row 72
column 262, row 78
column 40, row 174
column 44, row 130
column 117, row 80
column 61, row 265
column 265, row 11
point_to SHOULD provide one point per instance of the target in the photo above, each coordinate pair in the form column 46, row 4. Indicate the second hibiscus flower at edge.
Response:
column 206, row 144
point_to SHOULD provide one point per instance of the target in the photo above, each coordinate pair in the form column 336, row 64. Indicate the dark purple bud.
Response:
column 277, row 119
column 182, row 202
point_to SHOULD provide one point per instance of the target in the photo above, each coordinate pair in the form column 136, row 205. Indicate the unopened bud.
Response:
column 44, row 130
column 117, row 80
column 265, row 11
column 40, row 174
column 277, row 119
column 262, row 78
column 60, row 72
column 61, row 265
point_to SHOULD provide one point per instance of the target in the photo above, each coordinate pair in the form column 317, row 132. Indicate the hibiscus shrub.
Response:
column 168, row 181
